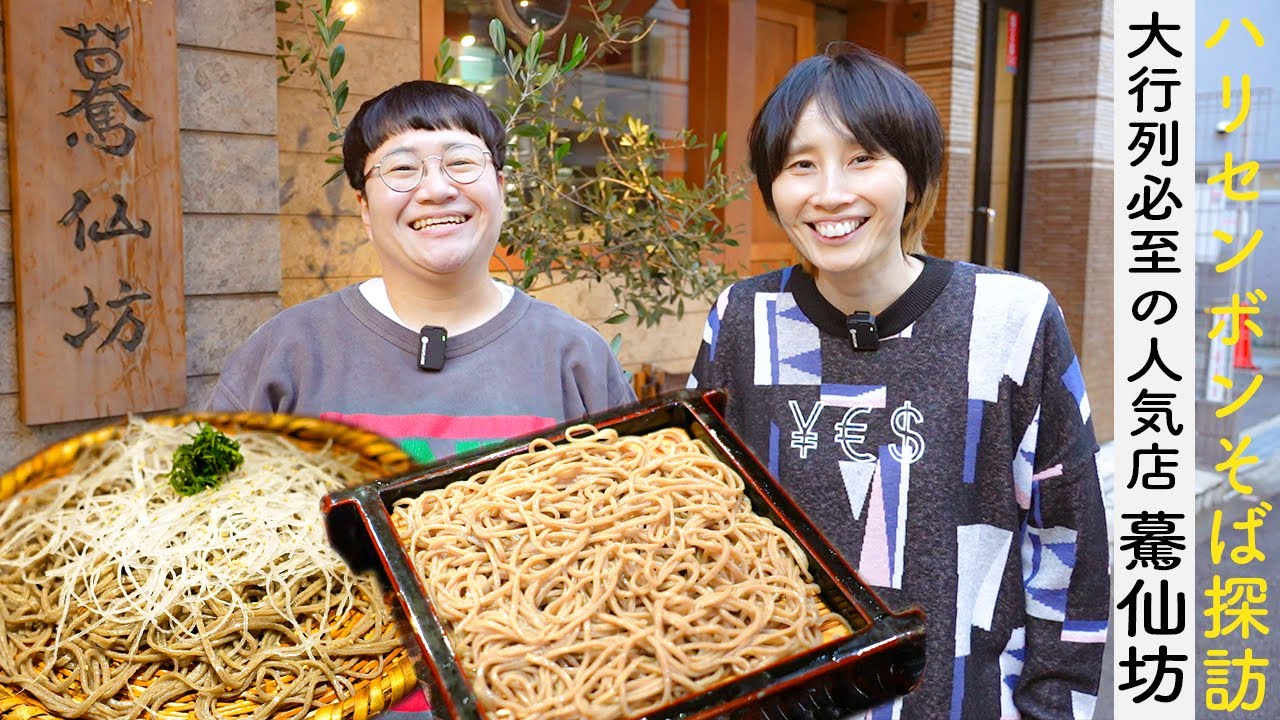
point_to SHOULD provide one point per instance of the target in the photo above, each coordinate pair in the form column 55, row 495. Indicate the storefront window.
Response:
column 648, row 80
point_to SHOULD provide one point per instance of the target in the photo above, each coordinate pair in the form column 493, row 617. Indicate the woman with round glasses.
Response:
column 433, row 353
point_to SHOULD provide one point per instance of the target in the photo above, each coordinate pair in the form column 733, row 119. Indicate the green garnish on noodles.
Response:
column 204, row 462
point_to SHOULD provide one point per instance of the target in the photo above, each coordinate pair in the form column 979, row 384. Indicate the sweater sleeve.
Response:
column 592, row 379
column 1065, row 552
column 618, row 389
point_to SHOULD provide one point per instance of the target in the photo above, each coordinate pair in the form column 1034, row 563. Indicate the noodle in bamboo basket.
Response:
column 121, row 599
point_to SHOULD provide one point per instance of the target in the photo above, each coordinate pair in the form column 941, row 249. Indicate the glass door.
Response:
column 1002, row 110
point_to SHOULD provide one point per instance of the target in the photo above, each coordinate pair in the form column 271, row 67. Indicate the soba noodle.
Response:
column 606, row 576
column 118, row 596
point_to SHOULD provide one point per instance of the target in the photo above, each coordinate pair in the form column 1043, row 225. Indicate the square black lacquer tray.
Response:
column 881, row 659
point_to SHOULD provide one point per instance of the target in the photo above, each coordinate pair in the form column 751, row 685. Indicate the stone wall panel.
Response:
column 228, row 254
column 226, row 92
column 243, row 25
column 229, row 173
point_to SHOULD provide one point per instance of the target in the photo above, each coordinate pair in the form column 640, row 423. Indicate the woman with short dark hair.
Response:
column 929, row 415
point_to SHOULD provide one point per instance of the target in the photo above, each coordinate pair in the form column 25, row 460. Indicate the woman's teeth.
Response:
column 429, row 222
column 837, row 229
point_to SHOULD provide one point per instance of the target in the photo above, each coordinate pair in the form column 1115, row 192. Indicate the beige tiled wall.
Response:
column 231, row 233
column 323, row 246
column 669, row 346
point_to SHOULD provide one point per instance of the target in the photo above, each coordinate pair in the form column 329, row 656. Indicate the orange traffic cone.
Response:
column 1242, row 356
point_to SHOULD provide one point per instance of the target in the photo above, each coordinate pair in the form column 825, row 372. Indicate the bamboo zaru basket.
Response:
column 374, row 457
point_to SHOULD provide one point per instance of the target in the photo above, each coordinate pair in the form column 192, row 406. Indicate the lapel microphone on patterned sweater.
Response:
column 862, row 330
column 431, row 342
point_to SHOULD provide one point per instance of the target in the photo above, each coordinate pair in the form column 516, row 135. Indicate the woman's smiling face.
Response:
column 841, row 205
column 441, row 227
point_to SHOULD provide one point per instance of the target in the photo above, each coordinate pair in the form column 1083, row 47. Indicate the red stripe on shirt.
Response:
column 444, row 427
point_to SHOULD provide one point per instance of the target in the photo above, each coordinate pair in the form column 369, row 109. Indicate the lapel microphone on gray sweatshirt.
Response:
column 431, row 340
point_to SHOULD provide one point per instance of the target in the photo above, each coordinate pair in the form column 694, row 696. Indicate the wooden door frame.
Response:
column 784, row 10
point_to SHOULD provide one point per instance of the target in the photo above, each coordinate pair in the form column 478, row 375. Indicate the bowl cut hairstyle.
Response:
column 418, row 105
column 876, row 104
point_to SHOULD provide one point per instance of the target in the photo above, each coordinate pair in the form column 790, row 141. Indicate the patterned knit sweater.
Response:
column 954, row 467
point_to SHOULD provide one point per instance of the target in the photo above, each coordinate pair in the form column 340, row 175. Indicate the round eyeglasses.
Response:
column 402, row 171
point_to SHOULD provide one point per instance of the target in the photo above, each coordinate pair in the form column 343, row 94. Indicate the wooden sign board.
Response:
column 97, row 202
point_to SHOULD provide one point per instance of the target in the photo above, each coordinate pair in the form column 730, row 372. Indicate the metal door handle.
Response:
column 990, row 212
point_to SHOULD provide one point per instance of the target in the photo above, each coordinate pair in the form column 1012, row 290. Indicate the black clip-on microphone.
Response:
column 862, row 330
column 431, row 341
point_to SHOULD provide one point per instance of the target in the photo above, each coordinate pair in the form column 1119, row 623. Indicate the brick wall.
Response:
column 943, row 58
column 1066, row 232
column 1067, row 239
column 227, row 117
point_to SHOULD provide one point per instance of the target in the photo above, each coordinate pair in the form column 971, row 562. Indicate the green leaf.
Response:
column 335, row 136
column 531, row 130
column 326, row 7
column 282, row 6
column 615, row 344
column 498, row 36
column 340, row 96
column 562, row 150
column 603, row 5
column 336, row 59
column 618, row 318
column 579, row 54
column 532, row 52
column 322, row 28
column 336, row 174
column 334, row 159
column 336, row 28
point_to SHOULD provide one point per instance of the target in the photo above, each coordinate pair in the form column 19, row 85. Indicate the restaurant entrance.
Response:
column 999, row 150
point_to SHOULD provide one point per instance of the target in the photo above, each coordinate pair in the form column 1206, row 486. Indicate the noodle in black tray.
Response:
column 119, row 598
column 606, row 576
